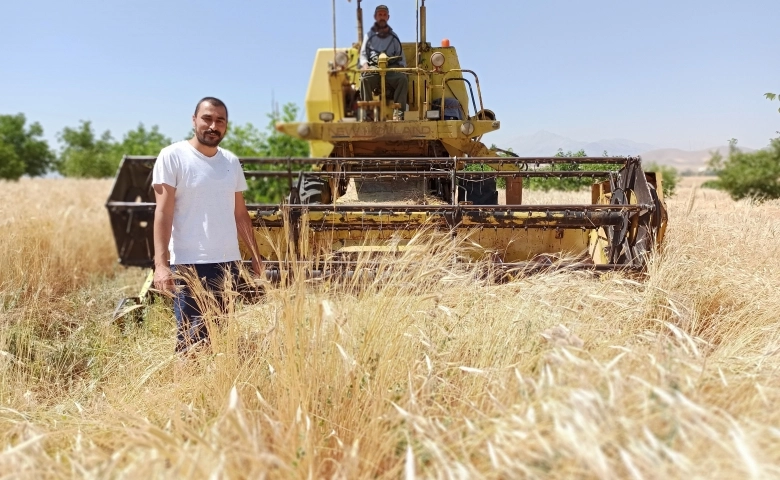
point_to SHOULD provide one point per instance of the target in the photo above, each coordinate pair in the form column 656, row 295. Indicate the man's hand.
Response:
column 163, row 280
column 247, row 235
column 364, row 67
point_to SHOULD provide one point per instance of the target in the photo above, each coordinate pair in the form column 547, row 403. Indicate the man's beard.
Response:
column 207, row 140
column 381, row 24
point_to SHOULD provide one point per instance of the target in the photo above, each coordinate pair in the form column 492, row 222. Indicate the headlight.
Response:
column 341, row 59
column 327, row 116
column 304, row 130
column 437, row 59
column 467, row 128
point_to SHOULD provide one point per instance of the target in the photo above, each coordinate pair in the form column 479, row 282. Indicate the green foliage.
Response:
column 86, row 156
column 11, row 166
column 143, row 142
column 670, row 177
column 772, row 96
column 714, row 184
column 754, row 175
column 280, row 145
column 244, row 141
column 22, row 151
column 249, row 141
column 567, row 183
column 500, row 181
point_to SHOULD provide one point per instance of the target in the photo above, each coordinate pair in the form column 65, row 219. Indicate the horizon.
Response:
column 674, row 76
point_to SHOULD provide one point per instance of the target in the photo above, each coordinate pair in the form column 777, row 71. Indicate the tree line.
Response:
column 84, row 153
column 753, row 175
column 670, row 176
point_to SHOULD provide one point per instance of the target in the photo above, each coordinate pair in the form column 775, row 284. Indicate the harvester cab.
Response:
column 375, row 178
column 351, row 109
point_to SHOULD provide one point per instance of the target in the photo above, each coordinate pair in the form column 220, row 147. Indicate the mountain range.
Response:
column 543, row 144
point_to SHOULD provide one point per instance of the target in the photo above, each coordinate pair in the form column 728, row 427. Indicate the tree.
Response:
column 248, row 141
column 11, row 166
column 244, row 141
column 84, row 155
column 279, row 145
column 754, row 175
column 142, row 142
column 670, row 177
column 772, row 96
column 566, row 183
column 22, row 151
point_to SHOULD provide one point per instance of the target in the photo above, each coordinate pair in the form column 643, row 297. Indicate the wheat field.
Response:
column 433, row 372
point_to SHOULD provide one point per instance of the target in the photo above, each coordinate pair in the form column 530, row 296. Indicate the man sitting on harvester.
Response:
column 382, row 39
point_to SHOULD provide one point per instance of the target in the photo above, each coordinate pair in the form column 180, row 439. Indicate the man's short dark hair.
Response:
column 214, row 101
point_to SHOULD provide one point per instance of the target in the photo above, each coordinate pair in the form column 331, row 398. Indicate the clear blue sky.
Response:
column 684, row 73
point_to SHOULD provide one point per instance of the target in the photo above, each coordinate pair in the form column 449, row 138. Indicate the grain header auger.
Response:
column 373, row 180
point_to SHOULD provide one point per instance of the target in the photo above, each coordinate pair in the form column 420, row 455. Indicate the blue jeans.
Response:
column 190, row 326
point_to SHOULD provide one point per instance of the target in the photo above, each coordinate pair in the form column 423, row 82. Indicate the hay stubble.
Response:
column 433, row 372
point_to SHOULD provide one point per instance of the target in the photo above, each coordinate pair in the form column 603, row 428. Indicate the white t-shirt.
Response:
column 204, row 225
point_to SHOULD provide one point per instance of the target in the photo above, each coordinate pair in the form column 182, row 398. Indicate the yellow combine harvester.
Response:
column 374, row 181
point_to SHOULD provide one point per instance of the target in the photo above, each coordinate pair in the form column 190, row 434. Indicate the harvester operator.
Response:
column 199, row 216
column 382, row 39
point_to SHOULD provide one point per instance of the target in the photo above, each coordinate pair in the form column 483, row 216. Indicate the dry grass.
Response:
column 433, row 373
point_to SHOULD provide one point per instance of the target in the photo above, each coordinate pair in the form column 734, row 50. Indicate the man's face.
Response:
column 210, row 124
column 381, row 17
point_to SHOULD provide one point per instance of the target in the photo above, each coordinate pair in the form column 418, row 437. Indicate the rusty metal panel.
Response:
column 514, row 191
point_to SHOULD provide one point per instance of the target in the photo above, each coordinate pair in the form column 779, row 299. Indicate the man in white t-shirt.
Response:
column 200, row 215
